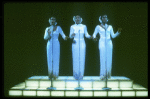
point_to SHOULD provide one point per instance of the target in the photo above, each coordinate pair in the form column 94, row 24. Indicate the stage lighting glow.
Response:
column 128, row 93
column 32, row 83
column 57, row 93
column 98, row 84
column 43, row 93
column 141, row 93
column 86, row 93
column 100, row 93
column 71, row 93
column 65, row 88
column 114, row 93
column 59, row 84
column 45, row 83
column 126, row 84
column 29, row 93
column 86, row 84
column 15, row 92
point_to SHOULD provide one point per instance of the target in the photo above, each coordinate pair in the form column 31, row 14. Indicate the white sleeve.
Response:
column 86, row 33
column 61, row 32
column 46, row 36
column 96, row 31
column 112, row 33
column 71, row 32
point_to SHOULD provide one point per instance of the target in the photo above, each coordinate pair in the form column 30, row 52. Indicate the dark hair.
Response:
column 104, row 15
column 53, row 17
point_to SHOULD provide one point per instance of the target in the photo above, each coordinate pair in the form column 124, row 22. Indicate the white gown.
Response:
column 53, row 49
column 78, row 49
column 105, row 56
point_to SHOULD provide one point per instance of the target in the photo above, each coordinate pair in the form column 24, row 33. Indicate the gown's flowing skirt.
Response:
column 78, row 58
column 53, row 53
column 105, row 57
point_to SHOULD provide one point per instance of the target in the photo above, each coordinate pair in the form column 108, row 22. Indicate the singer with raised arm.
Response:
column 105, row 45
column 77, row 32
column 53, row 47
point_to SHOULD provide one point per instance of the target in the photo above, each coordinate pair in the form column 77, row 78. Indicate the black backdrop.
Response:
column 25, row 48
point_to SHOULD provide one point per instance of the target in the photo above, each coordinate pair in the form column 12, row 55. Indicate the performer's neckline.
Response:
column 103, row 26
column 55, row 28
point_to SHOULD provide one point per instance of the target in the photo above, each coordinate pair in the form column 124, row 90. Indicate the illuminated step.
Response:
column 87, row 82
column 21, row 90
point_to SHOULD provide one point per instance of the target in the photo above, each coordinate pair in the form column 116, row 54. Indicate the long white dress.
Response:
column 53, row 49
column 78, row 49
column 105, row 43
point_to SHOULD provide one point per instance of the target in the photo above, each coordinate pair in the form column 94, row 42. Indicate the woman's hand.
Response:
column 66, row 37
column 73, row 35
column 119, row 30
column 49, row 32
column 95, row 39
column 91, row 37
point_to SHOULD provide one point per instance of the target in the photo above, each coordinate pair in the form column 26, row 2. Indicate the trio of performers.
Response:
column 77, row 33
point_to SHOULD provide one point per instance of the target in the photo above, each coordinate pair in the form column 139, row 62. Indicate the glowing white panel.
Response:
column 45, row 78
column 62, row 77
column 42, row 88
column 100, row 93
column 71, row 84
column 86, row 84
column 32, row 83
column 113, row 84
column 126, row 84
column 115, row 89
column 114, row 93
column 87, row 78
column 32, row 77
column 128, row 93
column 43, row 93
column 142, row 93
column 32, row 87
column 45, row 83
column 69, row 89
column 15, row 92
column 20, row 87
column 57, row 93
column 138, row 87
column 71, row 93
column 70, row 78
column 126, row 88
column 29, row 93
column 98, row 84
column 86, row 93
column 59, row 84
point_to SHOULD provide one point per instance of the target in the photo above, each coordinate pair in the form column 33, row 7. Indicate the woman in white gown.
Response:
column 105, row 45
column 77, row 31
column 53, row 47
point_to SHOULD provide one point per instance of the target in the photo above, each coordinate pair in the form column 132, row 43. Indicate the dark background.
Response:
column 25, row 47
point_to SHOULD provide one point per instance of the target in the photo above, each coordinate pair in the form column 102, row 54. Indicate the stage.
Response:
column 36, row 86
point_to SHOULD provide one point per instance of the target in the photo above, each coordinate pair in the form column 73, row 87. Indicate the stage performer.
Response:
column 53, row 47
column 77, row 32
column 105, row 45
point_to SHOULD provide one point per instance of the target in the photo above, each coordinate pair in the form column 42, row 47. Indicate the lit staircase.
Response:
column 36, row 86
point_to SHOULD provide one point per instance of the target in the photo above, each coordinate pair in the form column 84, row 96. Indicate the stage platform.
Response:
column 36, row 86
